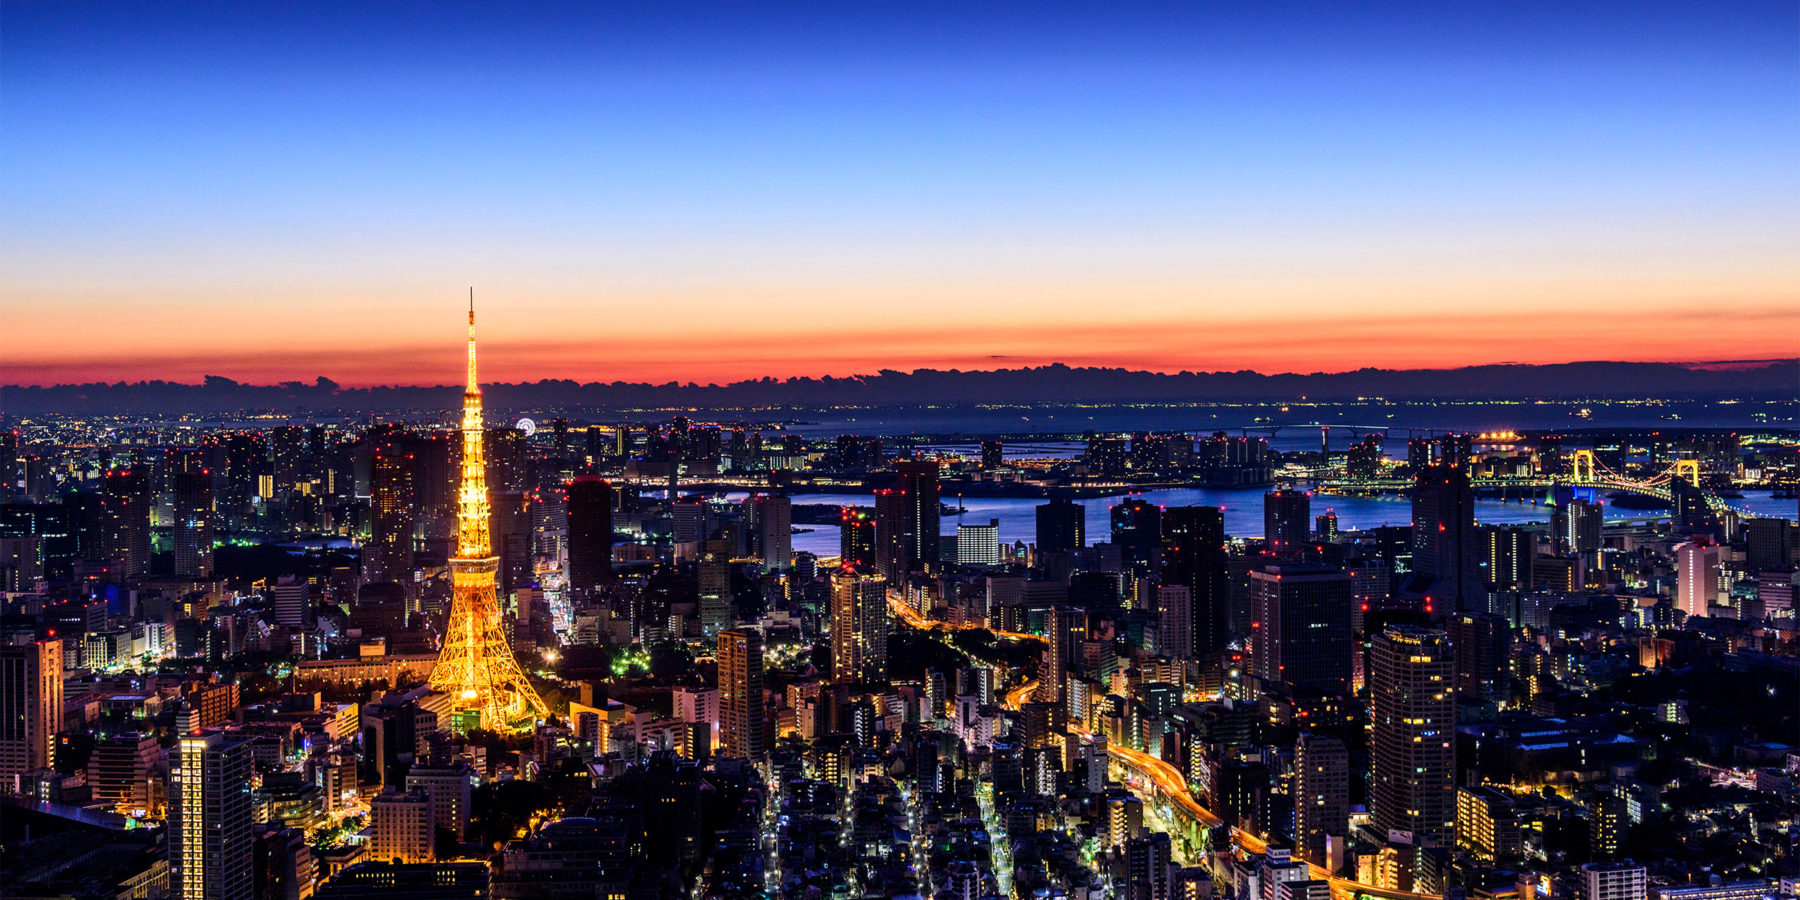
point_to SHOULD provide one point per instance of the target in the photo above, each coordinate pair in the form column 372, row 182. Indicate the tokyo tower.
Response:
column 476, row 665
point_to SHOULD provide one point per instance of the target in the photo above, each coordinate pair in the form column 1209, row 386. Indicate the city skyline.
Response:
column 703, row 195
column 1053, row 451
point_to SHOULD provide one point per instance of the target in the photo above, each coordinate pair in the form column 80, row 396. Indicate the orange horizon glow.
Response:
column 1168, row 347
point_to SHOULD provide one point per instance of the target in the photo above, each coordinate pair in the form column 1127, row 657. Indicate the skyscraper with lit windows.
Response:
column 859, row 626
column 31, row 705
column 740, row 655
column 210, row 821
column 1412, row 743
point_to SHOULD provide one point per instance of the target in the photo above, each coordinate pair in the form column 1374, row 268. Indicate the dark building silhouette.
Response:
column 1061, row 526
column 1506, row 555
column 1137, row 532
column 590, row 533
column 1481, row 642
column 192, row 504
column 1287, row 521
column 1194, row 557
column 907, row 520
column 125, row 511
column 389, row 554
column 1445, row 557
column 1300, row 628
column 992, row 455
column 856, row 539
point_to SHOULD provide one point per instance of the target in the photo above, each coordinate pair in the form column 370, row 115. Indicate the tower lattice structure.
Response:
column 476, row 665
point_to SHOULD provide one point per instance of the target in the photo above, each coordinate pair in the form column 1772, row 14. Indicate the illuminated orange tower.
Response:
column 476, row 666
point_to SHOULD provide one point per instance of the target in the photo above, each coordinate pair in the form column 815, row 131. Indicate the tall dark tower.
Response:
column 1445, row 549
column 907, row 520
column 1193, row 556
column 125, row 505
column 856, row 539
column 1061, row 525
column 193, row 508
column 1301, row 637
column 1287, row 521
column 1137, row 531
column 389, row 554
column 590, row 533
column 993, row 455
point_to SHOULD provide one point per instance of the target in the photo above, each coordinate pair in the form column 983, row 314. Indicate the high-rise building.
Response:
column 1412, row 745
column 1444, row 549
column 1581, row 526
column 740, row 656
column 31, row 706
column 119, row 772
column 993, row 455
column 193, row 532
column 210, row 822
column 775, row 531
column 1321, row 795
column 1609, row 823
column 1137, row 532
column 1508, row 552
column 405, row 827
column 451, row 789
column 1768, row 545
column 1065, row 639
column 282, row 866
column 1614, row 881
column 1148, row 864
column 1061, row 525
column 1696, row 576
column 249, row 476
column 1481, row 642
column 907, row 520
column 1363, row 461
column 856, row 539
column 978, row 545
column 690, row 520
column 1287, row 521
column 293, row 602
column 590, row 513
column 125, row 506
column 1300, row 628
column 859, row 627
column 12, row 465
column 388, row 556
column 1109, row 457
column 1326, row 526
column 713, row 573
column 1175, row 611
column 1194, row 556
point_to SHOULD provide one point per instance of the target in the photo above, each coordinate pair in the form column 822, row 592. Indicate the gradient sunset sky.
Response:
column 653, row 191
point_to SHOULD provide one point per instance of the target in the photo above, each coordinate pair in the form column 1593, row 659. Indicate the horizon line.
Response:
column 313, row 382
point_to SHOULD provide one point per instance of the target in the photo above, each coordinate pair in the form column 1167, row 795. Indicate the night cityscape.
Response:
column 899, row 452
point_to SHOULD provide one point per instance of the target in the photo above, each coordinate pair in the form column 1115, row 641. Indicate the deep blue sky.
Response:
column 190, row 187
